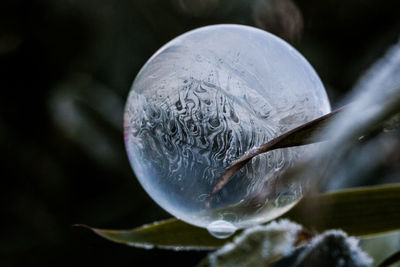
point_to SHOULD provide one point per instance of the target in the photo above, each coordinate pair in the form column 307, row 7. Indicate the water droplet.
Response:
column 221, row 229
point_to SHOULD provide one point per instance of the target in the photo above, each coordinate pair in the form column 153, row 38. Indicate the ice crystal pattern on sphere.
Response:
column 201, row 102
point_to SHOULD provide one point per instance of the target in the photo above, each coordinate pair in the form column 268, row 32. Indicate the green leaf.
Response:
column 390, row 261
column 359, row 212
column 380, row 247
column 168, row 234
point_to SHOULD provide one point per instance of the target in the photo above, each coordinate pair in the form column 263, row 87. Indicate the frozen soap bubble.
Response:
column 201, row 102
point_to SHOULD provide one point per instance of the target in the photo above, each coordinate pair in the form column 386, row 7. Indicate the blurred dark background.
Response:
column 66, row 68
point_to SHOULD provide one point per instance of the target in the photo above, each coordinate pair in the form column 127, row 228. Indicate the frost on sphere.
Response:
column 202, row 101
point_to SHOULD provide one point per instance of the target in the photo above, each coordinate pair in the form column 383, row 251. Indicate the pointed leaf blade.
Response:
column 360, row 212
column 168, row 234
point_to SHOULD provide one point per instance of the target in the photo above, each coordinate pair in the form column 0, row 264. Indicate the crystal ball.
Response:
column 203, row 100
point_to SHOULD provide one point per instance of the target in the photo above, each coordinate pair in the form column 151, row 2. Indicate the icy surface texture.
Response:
column 330, row 249
column 260, row 245
column 202, row 101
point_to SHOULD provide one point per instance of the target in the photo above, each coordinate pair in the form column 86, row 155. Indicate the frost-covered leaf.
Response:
column 257, row 246
column 330, row 249
column 276, row 244
column 385, row 73
column 373, row 117
column 344, row 162
column 168, row 234
column 346, row 209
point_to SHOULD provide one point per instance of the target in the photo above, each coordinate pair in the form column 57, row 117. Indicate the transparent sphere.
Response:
column 201, row 102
